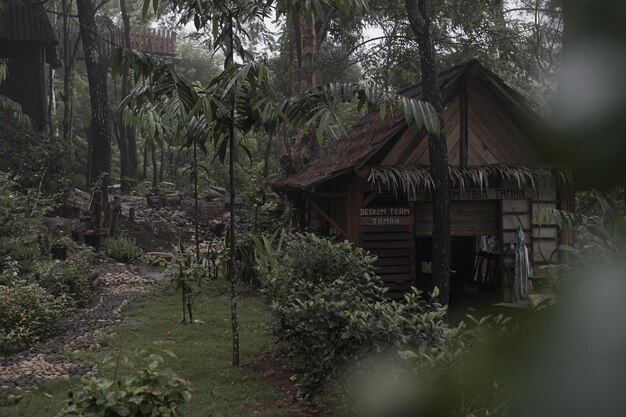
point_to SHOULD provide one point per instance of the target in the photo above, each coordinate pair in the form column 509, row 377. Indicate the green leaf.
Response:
column 435, row 293
column 145, row 9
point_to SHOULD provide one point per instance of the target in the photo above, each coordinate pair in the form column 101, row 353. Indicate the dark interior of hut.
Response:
column 475, row 278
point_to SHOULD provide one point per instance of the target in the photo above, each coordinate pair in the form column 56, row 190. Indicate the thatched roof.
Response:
column 367, row 137
column 409, row 180
column 372, row 136
column 26, row 21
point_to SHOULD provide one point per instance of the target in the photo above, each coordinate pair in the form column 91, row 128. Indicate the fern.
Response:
column 15, row 112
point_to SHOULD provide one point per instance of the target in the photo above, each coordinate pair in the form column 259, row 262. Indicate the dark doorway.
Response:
column 474, row 271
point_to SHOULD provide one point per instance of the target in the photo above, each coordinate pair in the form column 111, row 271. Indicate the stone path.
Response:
column 83, row 330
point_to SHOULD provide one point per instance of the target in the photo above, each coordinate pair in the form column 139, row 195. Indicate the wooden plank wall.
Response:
column 394, row 245
column 467, row 218
column 544, row 230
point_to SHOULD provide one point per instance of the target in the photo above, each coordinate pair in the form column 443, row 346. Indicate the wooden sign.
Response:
column 386, row 216
column 485, row 194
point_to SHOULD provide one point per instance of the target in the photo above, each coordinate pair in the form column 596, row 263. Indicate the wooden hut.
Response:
column 372, row 188
column 27, row 43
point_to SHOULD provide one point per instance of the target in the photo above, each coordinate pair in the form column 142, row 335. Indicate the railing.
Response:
column 158, row 42
column 149, row 40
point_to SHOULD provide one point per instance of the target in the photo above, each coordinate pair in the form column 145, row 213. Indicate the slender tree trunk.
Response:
column 155, row 167
column 232, row 244
column 195, row 200
column 419, row 18
column 266, row 165
column 162, row 166
column 145, row 161
column 97, row 77
column 172, row 168
column 183, row 292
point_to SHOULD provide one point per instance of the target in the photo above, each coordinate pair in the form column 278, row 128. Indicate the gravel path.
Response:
column 83, row 330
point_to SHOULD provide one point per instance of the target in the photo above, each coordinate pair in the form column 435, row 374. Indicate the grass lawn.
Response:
column 203, row 351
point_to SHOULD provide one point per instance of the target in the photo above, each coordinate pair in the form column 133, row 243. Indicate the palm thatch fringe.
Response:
column 411, row 179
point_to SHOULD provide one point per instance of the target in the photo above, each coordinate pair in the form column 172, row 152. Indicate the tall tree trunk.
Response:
column 68, row 72
column 52, row 105
column 120, row 136
column 418, row 12
column 97, row 77
column 129, row 133
column 306, row 146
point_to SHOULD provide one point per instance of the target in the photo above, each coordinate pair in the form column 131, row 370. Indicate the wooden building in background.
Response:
column 27, row 43
column 372, row 188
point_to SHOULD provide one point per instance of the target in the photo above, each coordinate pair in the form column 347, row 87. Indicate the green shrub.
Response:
column 122, row 248
column 317, row 259
column 330, row 313
column 153, row 390
column 19, row 211
column 246, row 259
column 20, row 208
column 330, row 309
column 27, row 315
column 71, row 278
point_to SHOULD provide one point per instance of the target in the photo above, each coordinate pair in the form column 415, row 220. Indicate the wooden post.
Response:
column 115, row 214
column 463, row 142
column 565, row 197
column 354, row 204
column 96, row 210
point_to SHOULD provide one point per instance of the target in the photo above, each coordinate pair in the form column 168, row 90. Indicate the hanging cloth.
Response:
column 523, row 268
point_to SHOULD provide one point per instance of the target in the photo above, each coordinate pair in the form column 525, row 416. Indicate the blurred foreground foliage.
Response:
column 150, row 388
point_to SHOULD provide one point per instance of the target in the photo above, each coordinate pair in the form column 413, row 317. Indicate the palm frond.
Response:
column 14, row 110
column 3, row 72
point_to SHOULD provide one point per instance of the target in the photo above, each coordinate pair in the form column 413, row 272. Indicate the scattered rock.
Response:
column 163, row 255
column 217, row 227
column 83, row 331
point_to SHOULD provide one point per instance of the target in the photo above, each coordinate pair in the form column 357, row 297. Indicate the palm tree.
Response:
column 242, row 99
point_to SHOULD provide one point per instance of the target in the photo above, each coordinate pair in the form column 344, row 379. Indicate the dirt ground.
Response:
column 275, row 368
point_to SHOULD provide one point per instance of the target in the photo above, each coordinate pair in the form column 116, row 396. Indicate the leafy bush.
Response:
column 27, row 315
column 330, row 309
column 246, row 259
column 71, row 278
column 122, row 248
column 153, row 390
column 19, row 210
